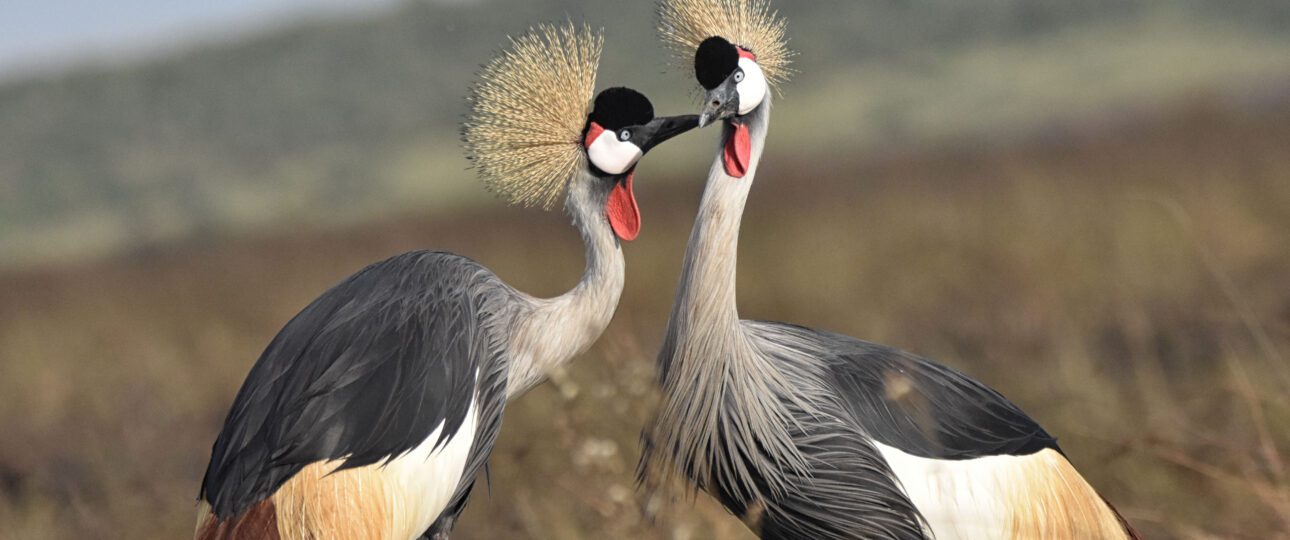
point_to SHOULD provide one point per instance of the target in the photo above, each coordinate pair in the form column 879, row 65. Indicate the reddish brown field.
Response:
column 1127, row 284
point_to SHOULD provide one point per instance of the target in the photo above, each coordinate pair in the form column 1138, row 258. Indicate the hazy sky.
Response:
column 42, row 35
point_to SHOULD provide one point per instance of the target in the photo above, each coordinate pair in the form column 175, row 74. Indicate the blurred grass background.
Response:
column 1085, row 204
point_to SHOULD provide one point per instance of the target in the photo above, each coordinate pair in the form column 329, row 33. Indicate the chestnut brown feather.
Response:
column 259, row 522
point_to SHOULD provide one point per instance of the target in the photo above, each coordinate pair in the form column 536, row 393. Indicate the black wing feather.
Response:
column 921, row 407
column 365, row 373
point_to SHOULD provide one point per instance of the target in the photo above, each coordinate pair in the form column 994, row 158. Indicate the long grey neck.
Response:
column 706, row 305
column 551, row 331
column 722, row 395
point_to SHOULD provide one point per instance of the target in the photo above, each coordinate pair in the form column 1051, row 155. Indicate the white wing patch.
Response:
column 424, row 480
column 1033, row 496
column 399, row 499
column 959, row 499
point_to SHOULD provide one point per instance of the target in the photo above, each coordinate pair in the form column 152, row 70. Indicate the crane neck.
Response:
column 554, row 330
column 723, row 396
column 706, row 302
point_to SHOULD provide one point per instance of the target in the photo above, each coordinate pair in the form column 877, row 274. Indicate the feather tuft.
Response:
column 528, row 111
column 684, row 24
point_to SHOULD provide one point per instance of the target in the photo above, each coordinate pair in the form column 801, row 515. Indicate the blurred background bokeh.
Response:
column 1084, row 203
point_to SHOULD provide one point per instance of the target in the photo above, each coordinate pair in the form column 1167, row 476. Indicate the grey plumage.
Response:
column 873, row 393
column 706, row 356
column 814, row 435
column 333, row 385
column 367, row 371
column 745, row 415
column 372, row 411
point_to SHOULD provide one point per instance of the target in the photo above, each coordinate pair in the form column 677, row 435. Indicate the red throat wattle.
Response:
column 738, row 151
column 624, row 216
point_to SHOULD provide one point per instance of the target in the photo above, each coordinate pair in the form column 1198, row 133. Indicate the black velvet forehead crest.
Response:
column 715, row 60
column 621, row 107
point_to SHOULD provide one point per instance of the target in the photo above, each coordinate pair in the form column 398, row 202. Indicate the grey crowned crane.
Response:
column 371, row 411
column 809, row 434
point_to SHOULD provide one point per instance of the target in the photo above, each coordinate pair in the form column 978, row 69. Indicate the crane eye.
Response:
column 624, row 135
column 739, row 76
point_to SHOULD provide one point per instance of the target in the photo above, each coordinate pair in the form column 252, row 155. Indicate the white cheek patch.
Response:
column 753, row 88
column 612, row 155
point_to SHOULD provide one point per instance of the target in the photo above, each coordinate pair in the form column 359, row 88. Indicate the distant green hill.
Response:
column 341, row 120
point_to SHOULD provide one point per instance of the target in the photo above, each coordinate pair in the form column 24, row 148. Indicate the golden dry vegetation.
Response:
column 1127, row 283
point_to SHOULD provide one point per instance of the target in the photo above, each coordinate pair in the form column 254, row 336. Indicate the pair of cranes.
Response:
column 371, row 412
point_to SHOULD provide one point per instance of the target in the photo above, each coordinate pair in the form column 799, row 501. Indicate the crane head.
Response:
column 734, row 82
column 620, row 130
column 719, row 38
column 528, row 111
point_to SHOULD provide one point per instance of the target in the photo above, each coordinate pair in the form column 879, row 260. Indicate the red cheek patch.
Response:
column 624, row 215
column 738, row 151
column 745, row 53
column 593, row 131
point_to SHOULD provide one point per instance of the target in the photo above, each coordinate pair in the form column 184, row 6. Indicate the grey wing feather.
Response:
column 919, row 406
column 850, row 491
column 366, row 373
column 850, row 494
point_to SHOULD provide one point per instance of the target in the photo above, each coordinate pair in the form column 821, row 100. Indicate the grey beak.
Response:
column 662, row 129
column 719, row 103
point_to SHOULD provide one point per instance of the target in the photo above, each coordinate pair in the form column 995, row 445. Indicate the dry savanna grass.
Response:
column 1128, row 285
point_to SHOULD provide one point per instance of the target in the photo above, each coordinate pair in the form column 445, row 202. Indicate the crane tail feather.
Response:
column 1128, row 529
column 259, row 522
